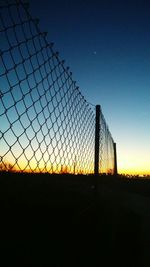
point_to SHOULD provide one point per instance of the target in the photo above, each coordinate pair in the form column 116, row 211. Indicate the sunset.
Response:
column 110, row 63
column 74, row 133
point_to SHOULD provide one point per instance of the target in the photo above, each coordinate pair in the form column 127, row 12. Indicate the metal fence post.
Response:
column 97, row 138
column 115, row 160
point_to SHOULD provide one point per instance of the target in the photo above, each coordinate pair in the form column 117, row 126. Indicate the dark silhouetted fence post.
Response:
column 97, row 137
column 115, row 160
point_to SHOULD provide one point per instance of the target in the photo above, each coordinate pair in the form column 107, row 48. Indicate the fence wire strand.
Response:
column 46, row 125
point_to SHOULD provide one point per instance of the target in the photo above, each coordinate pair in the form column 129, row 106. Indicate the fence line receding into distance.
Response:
column 46, row 125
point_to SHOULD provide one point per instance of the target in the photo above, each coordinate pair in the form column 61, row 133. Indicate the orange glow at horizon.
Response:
column 133, row 172
column 127, row 164
column 34, row 167
column 131, row 167
column 134, row 165
column 57, row 168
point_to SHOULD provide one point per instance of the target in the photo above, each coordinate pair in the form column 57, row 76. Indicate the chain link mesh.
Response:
column 106, row 161
column 46, row 125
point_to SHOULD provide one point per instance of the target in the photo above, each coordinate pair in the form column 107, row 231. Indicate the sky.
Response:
column 106, row 46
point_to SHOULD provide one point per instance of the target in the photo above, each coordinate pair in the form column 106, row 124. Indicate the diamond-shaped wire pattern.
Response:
column 106, row 161
column 46, row 125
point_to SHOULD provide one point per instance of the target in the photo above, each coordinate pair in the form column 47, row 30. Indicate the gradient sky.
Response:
column 106, row 44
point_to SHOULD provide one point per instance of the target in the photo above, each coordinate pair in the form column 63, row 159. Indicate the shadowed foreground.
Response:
column 61, row 220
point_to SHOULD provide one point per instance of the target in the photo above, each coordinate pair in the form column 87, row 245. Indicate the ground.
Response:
column 67, row 220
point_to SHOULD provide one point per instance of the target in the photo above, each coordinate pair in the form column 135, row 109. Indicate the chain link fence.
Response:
column 46, row 125
column 107, row 153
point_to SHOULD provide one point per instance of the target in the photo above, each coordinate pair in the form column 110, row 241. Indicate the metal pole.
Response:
column 115, row 160
column 74, row 166
column 97, row 137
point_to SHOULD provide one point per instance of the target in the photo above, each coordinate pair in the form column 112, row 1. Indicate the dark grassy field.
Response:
column 61, row 220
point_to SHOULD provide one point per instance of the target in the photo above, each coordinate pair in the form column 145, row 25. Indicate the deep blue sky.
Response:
column 107, row 46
